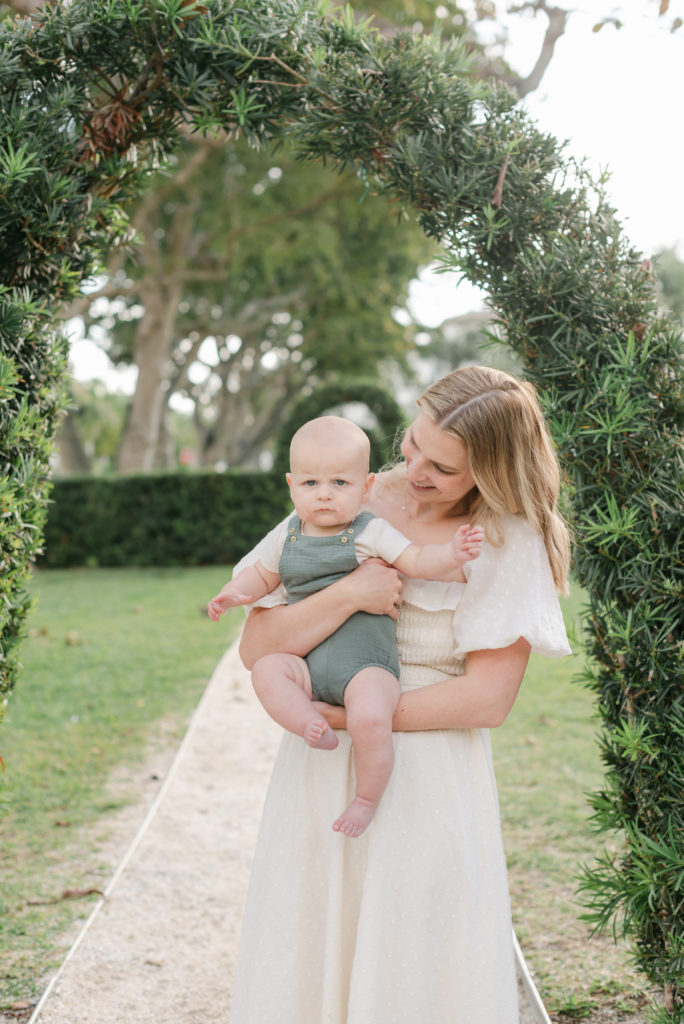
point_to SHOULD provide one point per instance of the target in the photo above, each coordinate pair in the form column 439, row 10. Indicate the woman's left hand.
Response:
column 336, row 717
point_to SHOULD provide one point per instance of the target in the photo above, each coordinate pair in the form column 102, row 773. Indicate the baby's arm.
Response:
column 249, row 585
column 442, row 561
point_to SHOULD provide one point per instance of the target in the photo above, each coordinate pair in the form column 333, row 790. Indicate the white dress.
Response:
column 410, row 923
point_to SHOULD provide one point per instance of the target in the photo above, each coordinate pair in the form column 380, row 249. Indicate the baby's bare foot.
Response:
column 318, row 734
column 356, row 818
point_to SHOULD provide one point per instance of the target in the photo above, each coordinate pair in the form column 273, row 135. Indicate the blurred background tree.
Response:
column 252, row 278
column 255, row 278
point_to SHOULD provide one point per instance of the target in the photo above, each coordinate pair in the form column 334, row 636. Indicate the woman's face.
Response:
column 437, row 468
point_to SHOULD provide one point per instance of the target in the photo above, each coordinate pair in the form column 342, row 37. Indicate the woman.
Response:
column 410, row 923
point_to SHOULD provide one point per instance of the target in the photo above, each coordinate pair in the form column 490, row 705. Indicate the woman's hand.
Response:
column 336, row 717
column 297, row 628
column 376, row 588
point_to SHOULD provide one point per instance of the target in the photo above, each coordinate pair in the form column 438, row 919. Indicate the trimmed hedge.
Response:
column 163, row 519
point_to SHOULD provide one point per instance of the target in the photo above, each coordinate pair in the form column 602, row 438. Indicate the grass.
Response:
column 547, row 761
column 114, row 663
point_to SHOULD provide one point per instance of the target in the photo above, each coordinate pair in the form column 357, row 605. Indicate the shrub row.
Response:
column 163, row 519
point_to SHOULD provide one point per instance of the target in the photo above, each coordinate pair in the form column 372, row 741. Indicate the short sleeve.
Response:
column 268, row 552
column 379, row 539
column 510, row 593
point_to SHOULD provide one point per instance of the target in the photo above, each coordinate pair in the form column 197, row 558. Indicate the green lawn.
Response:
column 114, row 664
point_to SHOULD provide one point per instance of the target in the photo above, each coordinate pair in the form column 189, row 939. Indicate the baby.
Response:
column 357, row 667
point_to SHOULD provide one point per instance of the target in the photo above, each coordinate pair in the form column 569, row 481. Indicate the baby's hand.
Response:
column 228, row 598
column 467, row 542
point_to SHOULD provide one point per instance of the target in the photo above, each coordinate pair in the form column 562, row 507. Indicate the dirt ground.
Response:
column 160, row 946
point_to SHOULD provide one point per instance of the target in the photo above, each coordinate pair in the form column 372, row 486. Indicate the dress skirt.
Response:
column 408, row 924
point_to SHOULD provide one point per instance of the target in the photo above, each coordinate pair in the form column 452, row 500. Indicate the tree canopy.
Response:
column 255, row 276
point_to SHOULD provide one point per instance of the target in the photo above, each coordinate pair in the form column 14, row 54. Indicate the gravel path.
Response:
column 160, row 947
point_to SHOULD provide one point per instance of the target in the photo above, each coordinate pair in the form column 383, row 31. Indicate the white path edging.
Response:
column 534, row 999
column 149, row 818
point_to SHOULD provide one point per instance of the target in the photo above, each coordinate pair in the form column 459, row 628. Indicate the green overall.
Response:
column 307, row 565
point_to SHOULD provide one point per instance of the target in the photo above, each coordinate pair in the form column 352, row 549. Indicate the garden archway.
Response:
column 93, row 94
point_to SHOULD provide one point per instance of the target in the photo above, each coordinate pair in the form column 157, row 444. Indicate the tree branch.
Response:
column 24, row 6
column 556, row 27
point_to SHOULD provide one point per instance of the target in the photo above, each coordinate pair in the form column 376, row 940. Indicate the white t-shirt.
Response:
column 377, row 539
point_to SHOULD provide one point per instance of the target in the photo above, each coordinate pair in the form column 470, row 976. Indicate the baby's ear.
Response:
column 369, row 483
column 289, row 479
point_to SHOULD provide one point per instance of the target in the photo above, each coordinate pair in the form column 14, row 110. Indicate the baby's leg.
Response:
column 370, row 699
column 283, row 685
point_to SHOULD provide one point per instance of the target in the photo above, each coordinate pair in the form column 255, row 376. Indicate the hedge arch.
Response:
column 92, row 96
column 388, row 414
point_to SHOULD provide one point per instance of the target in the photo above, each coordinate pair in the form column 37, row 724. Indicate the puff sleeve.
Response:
column 510, row 593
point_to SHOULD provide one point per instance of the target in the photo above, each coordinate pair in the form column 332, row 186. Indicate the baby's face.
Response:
column 328, row 484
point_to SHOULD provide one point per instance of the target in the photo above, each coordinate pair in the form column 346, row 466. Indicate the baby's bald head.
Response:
column 329, row 479
column 331, row 435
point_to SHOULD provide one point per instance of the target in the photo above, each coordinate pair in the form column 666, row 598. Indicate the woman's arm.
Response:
column 479, row 699
column 298, row 628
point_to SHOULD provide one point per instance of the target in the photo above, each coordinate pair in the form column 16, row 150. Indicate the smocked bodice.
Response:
column 426, row 646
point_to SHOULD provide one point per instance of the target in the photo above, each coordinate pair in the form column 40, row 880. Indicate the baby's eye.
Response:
column 340, row 483
column 309, row 483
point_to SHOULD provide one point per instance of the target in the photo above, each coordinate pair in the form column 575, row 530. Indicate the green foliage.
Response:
column 161, row 518
column 91, row 98
column 32, row 362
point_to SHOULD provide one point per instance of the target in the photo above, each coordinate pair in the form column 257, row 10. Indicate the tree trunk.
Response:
column 165, row 455
column 72, row 455
column 24, row 6
column 152, row 347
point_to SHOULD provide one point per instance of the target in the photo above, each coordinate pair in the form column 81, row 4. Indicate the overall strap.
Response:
column 294, row 524
column 361, row 521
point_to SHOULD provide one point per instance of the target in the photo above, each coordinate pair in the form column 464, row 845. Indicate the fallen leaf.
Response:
column 68, row 894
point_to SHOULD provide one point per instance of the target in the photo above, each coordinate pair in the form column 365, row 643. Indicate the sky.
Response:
column 615, row 95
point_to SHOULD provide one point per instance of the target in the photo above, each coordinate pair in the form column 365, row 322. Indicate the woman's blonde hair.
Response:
column 510, row 452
